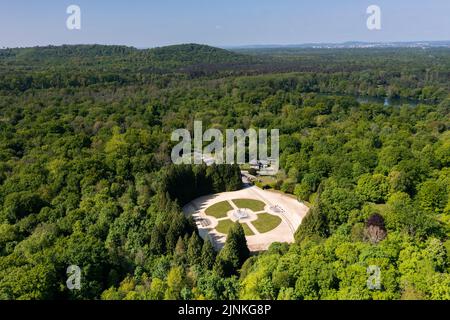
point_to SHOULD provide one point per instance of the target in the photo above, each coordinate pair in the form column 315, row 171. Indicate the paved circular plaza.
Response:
column 266, row 216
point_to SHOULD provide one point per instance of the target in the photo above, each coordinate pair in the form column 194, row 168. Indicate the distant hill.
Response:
column 84, row 65
column 169, row 57
column 64, row 52
column 343, row 45
column 348, row 45
column 189, row 54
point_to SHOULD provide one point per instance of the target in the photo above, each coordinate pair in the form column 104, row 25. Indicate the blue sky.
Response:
column 220, row 22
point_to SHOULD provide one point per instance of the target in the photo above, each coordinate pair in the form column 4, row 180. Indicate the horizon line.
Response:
column 445, row 43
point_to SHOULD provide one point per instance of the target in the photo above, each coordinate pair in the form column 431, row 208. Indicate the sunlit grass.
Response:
column 224, row 227
column 254, row 205
column 266, row 222
column 219, row 210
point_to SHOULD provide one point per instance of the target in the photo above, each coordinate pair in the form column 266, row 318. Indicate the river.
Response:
column 387, row 101
column 396, row 102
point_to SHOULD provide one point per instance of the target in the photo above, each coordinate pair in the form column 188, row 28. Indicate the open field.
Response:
column 219, row 210
column 225, row 225
column 254, row 205
column 266, row 222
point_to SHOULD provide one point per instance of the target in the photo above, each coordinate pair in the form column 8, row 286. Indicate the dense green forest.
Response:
column 86, row 177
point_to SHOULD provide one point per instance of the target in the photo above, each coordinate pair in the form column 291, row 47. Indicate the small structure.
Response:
column 276, row 209
column 198, row 157
column 265, row 167
column 240, row 214
column 259, row 164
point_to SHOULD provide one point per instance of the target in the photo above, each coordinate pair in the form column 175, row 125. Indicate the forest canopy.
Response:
column 86, row 177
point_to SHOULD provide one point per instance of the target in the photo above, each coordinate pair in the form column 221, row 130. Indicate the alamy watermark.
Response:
column 374, row 20
column 374, row 279
column 73, row 22
column 239, row 147
column 74, row 277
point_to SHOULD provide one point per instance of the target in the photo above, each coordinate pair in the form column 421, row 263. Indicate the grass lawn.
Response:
column 254, row 205
column 219, row 210
column 225, row 225
column 266, row 222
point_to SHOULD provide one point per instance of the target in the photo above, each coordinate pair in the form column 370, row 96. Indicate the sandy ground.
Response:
column 291, row 215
